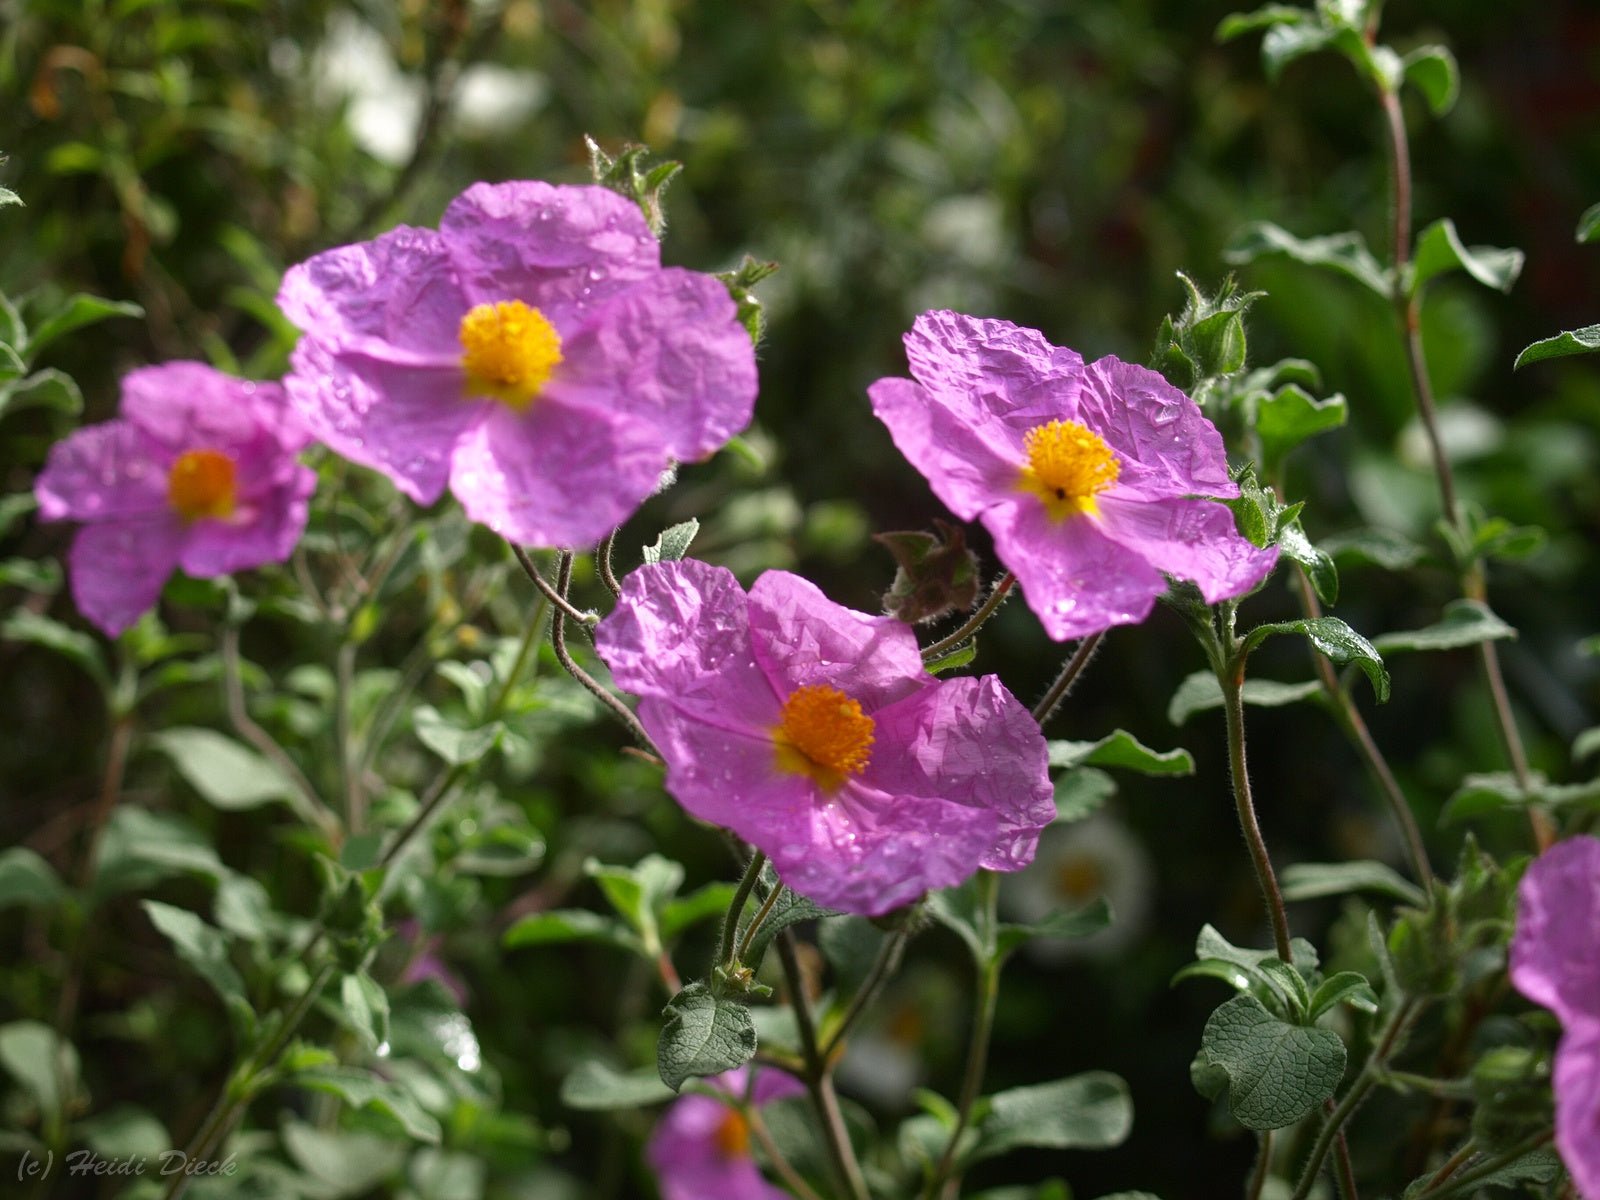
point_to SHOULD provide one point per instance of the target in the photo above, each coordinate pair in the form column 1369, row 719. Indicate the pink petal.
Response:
column 1164, row 443
column 961, row 449
column 1577, row 1088
column 104, row 472
column 117, row 568
column 554, row 475
column 403, row 421
column 264, row 527
column 681, row 632
column 669, row 353
column 394, row 297
column 970, row 741
column 1075, row 579
column 802, row 638
column 564, row 250
column 1555, row 953
column 1195, row 540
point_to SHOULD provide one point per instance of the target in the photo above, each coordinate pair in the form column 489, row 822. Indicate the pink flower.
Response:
column 531, row 353
column 813, row 732
column 1091, row 478
column 700, row 1149
column 199, row 472
column 1555, row 961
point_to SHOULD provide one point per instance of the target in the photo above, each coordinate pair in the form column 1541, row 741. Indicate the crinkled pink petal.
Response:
column 564, row 250
column 117, row 569
column 801, row 638
column 1195, row 540
column 681, row 632
column 965, row 457
column 102, row 472
column 1075, row 579
column 969, row 740
column 395, row 297
column 266, row 523
column 1164, row 444
column 1555, row 953
column 995, row 377
column 866, row 850
column 667, row 351
column 554, row 475
column 403, row 421
column 684, row 1152
column 1577, row 1087
column 190, row 406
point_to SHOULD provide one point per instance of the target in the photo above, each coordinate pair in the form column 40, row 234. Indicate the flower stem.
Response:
column 946, row 1182
column 1258, row 1176
column 1409, row 317
column 883, row 968
column 987, row 609
column 819, row 1075
column 730, row 925
column 1232, row 682
column 1045, row 709
column 602, row 558
column 785, row 1169
column 1466, row 1180
column 755, row 924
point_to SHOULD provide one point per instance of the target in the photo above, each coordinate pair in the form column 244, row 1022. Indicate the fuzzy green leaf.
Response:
column 594, row 1086
column 228, row 775
column 1200, row 692
column 1464, row 623
column 1432, row 71
column 673, row 543
column 1092, row 1111
column 1344, row 253
column 1573, row 341
column 705, row 1034
column 1309, row 881
column 1440, row 250
column 1121, row 749
column 1336, row 641
column 1274, row 1072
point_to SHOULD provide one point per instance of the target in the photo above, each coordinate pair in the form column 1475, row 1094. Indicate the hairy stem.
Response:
column 726, row 952
column 987, row 609
column 1046, row 708
column 602, row 559
column 1232, row 681
column 883, row 968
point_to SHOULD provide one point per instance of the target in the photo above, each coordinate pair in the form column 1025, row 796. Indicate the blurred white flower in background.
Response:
column 1078, row 863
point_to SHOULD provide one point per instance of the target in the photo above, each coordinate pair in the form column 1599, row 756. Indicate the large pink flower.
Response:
column 199, row 471
column 1092, row 478
column 700, row 1149
column 814, row 733
column 531, row 353
column 1555, row 961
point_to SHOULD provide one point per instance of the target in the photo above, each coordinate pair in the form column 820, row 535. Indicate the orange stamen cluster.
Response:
column 732, row 1135
column 508, row 351
column 824, row 734
column 1068, row 465
column 202, row 483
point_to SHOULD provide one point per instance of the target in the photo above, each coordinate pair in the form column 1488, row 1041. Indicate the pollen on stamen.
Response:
column 732, row 1135
column 1068, row 466
column 202, row 483
column 823, row 734
column 508, row 351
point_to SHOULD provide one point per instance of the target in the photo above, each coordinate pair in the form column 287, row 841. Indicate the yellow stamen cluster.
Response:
column 824, row 734
column 508, row 351
column 732, row 1135
column 1068, row 465
column 202, row 483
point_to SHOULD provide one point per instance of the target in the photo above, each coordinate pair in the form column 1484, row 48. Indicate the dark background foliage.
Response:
column 1050, row 163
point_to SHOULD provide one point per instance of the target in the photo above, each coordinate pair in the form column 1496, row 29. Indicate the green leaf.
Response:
column 705, row 1034
column 78, row 648
column 341, row 1164
column 1319, row 568
column 959, row 657
column 789, row 909
column 1586, row 743
column 1340, row 644
column 1081, row 791
column 1589, row 224
column 636, row 892
column 74, row 313
column 1285, row 43
column 673, row 543
column 1211, row 944
column 1289, row 416
column 1346, row 987
column 13, row 507
column 41, row 576
column 1064, row 923
column 1491, row 791
column 1573, row 341
column 200, row 945
column 26, row 880
column 1440, row 250
column 365, row 1008
column 1201, row 691
column 1464, row 623
column 7, row 196
column 141, row 848
column 48, row 389
column 364, row 1089
column 1275, row 1073
column 227, row 775
column 1310, row 881
column 709, row 901
column 1237, row 24
column 455, row 745
column 568, row 925
column 1344, row 253
column 1121, row 749
column 595, row 1086
column 1092, row 1111
column 1432, row 71
column 1381, row 547
column 41, row 1062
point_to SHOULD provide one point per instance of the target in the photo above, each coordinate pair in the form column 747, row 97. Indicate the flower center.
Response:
column 824, row 734
column 202, row 484
column 1068, row 465
column 1080, row 878
column 508, row 351
column 732, row 1135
